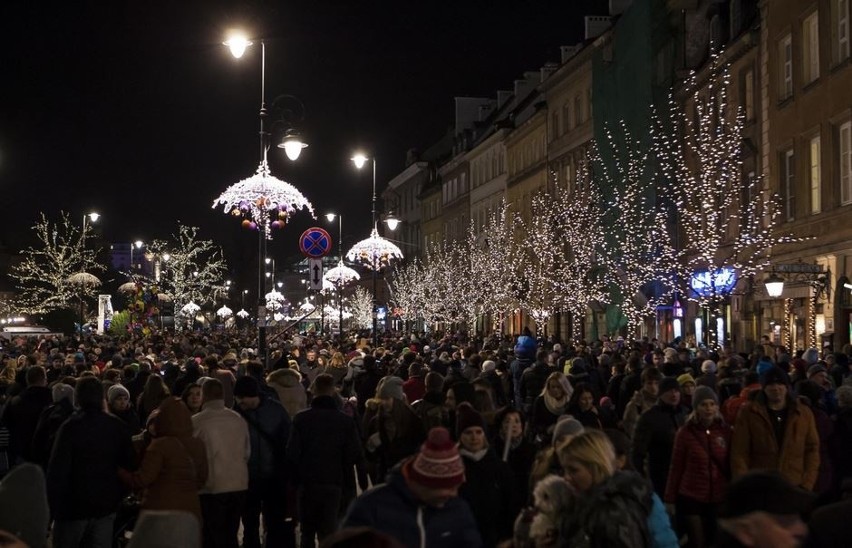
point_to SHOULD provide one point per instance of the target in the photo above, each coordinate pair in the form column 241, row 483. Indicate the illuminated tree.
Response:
column 191, row 269
column 361, row 305
column 582, row 279
column 407, row 290
column 44, row 275
column 639, row 252
column 727, row 221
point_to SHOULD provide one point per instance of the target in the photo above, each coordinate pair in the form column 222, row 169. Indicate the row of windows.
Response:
column 487, row 166
column 814, row 172
column 454, row 188
column 810, row 47
column 527, row 154
column 572, row 114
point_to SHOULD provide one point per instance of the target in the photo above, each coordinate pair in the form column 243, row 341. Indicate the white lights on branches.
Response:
column 375, row 252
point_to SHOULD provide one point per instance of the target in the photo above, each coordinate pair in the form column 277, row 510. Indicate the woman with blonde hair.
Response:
column 615, row 505
column 551, row 404
column 336, row 367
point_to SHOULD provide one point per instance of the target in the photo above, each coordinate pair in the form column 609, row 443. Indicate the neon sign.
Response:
column 723, row 280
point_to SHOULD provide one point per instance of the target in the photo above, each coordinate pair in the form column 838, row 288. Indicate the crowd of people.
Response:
column 188, row 439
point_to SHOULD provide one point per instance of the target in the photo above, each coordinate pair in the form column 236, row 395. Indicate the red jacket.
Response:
column 414, row 389
column 732, row 406
column 700, row 463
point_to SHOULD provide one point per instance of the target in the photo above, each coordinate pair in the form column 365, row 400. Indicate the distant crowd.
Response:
column 189, row 439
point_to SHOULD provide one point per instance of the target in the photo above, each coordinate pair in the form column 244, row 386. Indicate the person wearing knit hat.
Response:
column 655, row 432
column 488, row 365
column 391, row 387
column 698, row 476
column 246, row 387
column 431, row 478
column 24, row 514
column 566, row 428
column 489, row 485
column 118, row 403
column 776, row 432
column 62, row 391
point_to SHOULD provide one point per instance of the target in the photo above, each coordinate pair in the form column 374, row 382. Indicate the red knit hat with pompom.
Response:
column 438, row 464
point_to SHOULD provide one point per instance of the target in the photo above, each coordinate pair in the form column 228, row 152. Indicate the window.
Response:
column 785, row 72
column 788, row 184
column 810, row 48
column 815, row 175
column 748, row 92
column 589, row 100
column 840, row 24
column 554, row 125
column 845, row 149
column 578, row 110
column 566, row 117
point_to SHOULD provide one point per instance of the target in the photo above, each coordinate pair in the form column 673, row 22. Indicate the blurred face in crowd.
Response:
column 473, row 439
column 512, row 426
column 671, row 397
column 450, row 400
column 311, row 355
column 577, row 474
column 248, row 403
column 707, row 411
column 776, row 393
column 121, row 403
column 658, row 359
column 586, row 401
column 821, row 379
column 555, row 389
column 688, row 388
column 193, row 399
column 652, row 388
column 431, row 496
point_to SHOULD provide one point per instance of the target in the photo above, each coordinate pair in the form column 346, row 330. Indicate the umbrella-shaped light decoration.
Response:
column 84, row 279
column 341, row 275
column 243, row 314
column 375, row 252
column 189, row 309
column 263, row 201
column 274, row 300
column 307, row 307
column 224, row 312
column 127, row 287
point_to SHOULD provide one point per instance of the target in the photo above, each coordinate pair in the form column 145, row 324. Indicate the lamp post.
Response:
column 340, row 275
column 138, row 245
column 93, row 217
column 262, row 196
column 376, row 252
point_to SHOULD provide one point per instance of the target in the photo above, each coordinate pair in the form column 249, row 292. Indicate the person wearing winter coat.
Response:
column 90, row 447
column 50, row 421
column 323, row 444
column 415, row 387
column 419, row 505
column 534, row 381
column 655, row 432
column 778, row 433
column 288, row 384
column 644, row 399
column 515, row 449
column 22, row 412
column 581, row 406
column 174, row 466
column 810, row 394
column 430, row 408
column 614, row 505
column 366, row 381
column 392, row 430
column 118, row 403
column 525, row 354
column 489, row 482
column 700, row 468
column 731, row 407
column 550, row 404
column 840, row 443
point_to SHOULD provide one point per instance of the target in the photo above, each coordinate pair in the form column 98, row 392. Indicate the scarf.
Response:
column 475, row 457
column 555, row 406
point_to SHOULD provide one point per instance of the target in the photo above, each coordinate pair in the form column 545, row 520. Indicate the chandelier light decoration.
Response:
column 375, row 252
column 341, row 275
column 243, row 314
column 190, row 309
column 274, row 300
column 224, row 312
column 263, row 201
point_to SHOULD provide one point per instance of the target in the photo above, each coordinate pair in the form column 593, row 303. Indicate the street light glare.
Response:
column 93, row 216
column 293, row 148
column 237, row 43
column 359, row 160
column 330, row 216
column 138, row 244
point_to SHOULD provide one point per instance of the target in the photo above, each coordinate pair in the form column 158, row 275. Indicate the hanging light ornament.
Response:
column 189, row 309
column 274, row 300
column 224, row 312
column 341, row 275
column 263, row 201
column 375, row 252
column 243, row 314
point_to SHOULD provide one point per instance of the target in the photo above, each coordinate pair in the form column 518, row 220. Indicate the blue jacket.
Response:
column 660, row 526
column 392, row 509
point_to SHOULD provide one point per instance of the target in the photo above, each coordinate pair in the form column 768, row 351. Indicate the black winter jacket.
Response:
column 653, row 441
column 489, row 488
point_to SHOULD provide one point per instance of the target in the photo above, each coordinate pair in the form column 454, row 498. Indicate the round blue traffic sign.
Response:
column 315, row 243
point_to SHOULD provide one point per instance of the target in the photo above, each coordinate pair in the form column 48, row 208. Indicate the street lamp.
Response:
column 263, row 201
column 93, row 217
column 138, row 245
column 340, row 275
column 774, row 286
column 374, row 252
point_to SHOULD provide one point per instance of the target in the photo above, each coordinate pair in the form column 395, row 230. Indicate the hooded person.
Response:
column 50, row 421
column 291, row 392
column 419, row 504
column 174, row 466
column 118, row 402
column 24, row 512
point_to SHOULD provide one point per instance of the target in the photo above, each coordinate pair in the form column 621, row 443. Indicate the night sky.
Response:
column 136, row 110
